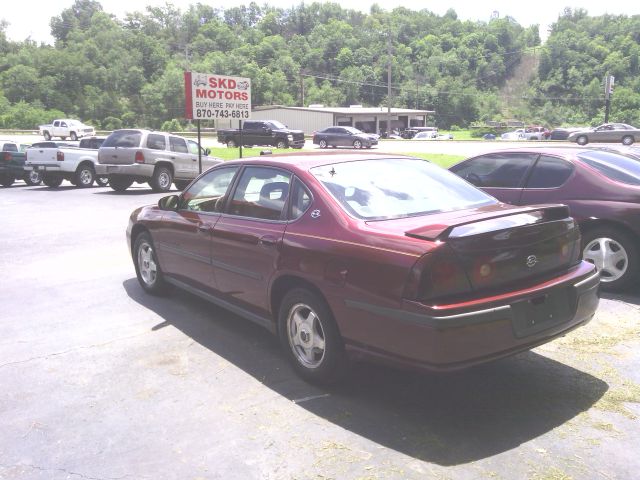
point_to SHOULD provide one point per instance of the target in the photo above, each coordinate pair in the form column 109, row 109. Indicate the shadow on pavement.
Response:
column 136, row 191
column 632, row 298
column 448, row 419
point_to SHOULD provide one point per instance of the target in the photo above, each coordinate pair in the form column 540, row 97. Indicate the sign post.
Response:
column 216, row 97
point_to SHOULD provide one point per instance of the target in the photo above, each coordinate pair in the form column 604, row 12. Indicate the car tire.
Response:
column 282, row 144
column 627, row 140
column 52, row 181
column 63, row 138
column 119, row 184
column 147, row 266
column 73, row 136
column 582, row 140
column 85, row 176
column 32, row 178
column 615, row 255
column 6, row 180
column 322, row 143
column 181, row 184
column 231, row 143
column 102, row 180
column 357, row 144
column 310, row 336
column 47, row 136
column 162, row 179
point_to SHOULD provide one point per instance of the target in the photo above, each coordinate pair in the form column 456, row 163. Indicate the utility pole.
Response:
column 389, row 83
column 301, row 88
column 608, row 90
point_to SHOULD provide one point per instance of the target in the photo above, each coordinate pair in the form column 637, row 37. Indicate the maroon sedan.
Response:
column 600, row 186
column 370, row 256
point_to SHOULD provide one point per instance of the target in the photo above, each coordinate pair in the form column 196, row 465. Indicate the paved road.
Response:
column 452, row 147
column 100, row 380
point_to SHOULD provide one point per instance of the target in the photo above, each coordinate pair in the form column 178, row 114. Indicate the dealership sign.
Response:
column 208, row 97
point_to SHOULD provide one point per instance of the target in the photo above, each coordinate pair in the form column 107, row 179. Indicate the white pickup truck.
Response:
column 64, row 128
column 76, row 164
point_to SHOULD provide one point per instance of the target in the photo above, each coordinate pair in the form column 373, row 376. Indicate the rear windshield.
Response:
column 614, row 166
column 388, row 188
column 123, row 138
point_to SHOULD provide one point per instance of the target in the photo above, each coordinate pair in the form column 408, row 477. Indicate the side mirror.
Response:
column 207, row 151
column 169, row 203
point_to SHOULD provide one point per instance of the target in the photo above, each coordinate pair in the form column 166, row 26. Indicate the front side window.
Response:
column 178, row 145
column 156, row 142
column 261, row 193
column 193, row 147
column 385, row 188
column 497, row 170
column 123, row 139
column 549, row 172
column 208, row 193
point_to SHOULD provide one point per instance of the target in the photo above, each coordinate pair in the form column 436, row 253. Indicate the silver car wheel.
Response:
column 146, row 264
column 86, row 177
column 35, row 177
column 609, row 257
column 164, row 180
column 306, row 336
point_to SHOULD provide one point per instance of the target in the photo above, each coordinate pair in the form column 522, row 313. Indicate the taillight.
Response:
column 439, row 274
column 139, row 158
column 6, row 156
column 60, row 156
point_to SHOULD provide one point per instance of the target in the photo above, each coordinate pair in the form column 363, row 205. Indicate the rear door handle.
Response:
column 268, row 240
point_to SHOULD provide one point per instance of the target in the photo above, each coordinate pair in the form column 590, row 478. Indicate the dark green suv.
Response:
column 12, row 158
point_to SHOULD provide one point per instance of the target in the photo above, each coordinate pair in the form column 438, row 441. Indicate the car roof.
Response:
column 305, row 161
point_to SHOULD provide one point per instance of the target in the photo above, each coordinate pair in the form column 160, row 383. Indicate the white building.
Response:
column 316, row 117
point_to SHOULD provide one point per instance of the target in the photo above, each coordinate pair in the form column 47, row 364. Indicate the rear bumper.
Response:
column 49, row 168
column 132, row 170
column 457, row 336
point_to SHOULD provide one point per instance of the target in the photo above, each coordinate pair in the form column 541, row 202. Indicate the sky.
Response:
column 31, row 19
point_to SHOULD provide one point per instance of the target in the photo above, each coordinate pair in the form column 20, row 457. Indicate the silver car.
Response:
column 608, row 132
column 161, row 159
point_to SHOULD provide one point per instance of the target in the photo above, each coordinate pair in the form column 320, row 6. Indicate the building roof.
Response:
column 349, row 110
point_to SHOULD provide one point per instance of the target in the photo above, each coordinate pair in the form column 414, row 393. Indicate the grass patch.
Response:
column 226, row 153
column 459, row 134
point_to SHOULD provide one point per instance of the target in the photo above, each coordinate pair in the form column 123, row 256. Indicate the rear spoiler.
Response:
column 544, row 213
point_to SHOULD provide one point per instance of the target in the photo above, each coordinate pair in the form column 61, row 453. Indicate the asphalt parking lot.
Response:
column 101, row 381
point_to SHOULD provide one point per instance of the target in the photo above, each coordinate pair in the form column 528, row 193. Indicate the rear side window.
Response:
column 614, row 166
column 156, row 142
column 178, row 145
column 10, row 147
column 497, row 170
column 123, row 139
column 549, row 172
column 300, row 200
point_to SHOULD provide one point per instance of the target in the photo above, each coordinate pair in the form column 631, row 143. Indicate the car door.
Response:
column 247, row 239
column 500, row 174
column 183, row 241
column 546, row 182
column 180, row 157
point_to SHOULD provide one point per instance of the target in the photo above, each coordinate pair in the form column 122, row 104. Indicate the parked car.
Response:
column 515, row 135
column 76, row 164
column 536, row 132
column 371, row 256
column 411, row 132
column 262, row 132
column 161, row 159
column 608, row 132
column 562, row 133
column 12, row 159
column 601, row 188
column 66, row 128
column 344, row 137
column 425, row 136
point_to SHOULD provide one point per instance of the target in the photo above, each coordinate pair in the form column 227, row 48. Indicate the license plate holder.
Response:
column 541, row 313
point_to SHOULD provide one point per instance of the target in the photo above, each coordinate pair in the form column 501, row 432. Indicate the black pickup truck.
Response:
column 262, row 132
